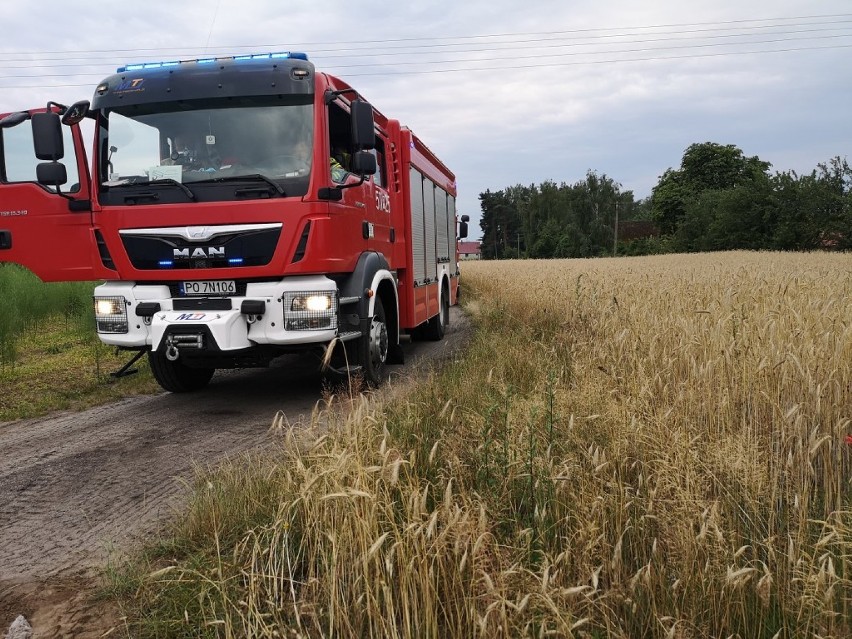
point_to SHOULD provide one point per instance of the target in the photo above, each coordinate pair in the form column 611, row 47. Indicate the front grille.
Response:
column 158, row 253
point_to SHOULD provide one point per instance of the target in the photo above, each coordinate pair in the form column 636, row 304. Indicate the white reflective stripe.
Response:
column 201, row 233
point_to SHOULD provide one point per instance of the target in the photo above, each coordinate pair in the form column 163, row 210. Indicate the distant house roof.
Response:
column 469, row 248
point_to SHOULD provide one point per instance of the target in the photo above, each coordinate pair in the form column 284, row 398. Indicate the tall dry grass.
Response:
column 643, row 447
column 714, row 493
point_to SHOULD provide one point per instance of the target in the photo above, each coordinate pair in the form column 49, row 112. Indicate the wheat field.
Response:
column 716, row 394
column 634, row 447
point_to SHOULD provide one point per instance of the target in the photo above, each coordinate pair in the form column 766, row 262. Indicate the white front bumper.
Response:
column 231, row 329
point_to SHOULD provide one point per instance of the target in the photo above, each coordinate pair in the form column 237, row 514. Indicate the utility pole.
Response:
column 615, row 232
column 496, row 233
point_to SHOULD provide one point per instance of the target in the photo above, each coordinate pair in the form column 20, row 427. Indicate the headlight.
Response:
column 108, row 306
column 310, row 311
column 313, row 303
column 111, row 314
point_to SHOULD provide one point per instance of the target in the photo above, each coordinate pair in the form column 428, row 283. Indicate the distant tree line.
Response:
column 719, row 199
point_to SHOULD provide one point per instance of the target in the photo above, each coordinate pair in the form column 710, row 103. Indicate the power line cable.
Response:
column 613, row 61
column 501, row 47
column 514, row 67
column 569, row 54
column 389, row 41
column 531, row 44
column 588, row 53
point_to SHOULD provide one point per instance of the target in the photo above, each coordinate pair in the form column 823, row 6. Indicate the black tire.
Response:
column 374, row 347
column 437, row 326
column 177, row 377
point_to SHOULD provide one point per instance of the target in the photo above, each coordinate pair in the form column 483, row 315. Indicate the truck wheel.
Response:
column 437, row 326
column 374, row 347
column 177, row 377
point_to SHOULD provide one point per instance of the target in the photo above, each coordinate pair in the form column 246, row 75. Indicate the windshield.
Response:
column 208, row 142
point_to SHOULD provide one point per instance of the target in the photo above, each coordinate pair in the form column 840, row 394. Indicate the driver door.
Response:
column 49, row 233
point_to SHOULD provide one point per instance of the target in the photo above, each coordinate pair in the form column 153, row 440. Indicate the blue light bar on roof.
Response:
column 294, row 55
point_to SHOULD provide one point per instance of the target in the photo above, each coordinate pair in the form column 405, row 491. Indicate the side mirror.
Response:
column 330, row 193
column 51, row 174
column 47, row 136
column 363, row 163
column 463, row 226
column 363, row 126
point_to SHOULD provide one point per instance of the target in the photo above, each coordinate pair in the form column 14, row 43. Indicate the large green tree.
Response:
column 705, row 166
column 718, row 199
column 554, row 220
column 500, row 221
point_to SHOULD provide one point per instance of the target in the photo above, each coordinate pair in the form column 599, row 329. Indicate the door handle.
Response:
column 5, row 240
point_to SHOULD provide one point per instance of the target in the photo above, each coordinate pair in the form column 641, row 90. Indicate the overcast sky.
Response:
column 503, row 92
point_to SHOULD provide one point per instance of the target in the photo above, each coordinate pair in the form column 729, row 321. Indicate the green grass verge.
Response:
column 50, row 356
column 27, row 301
column 59, row 368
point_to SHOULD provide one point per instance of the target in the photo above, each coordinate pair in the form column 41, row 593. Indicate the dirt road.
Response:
column 77, row 488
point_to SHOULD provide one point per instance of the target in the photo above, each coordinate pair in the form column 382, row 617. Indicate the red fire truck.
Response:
column 237, row 209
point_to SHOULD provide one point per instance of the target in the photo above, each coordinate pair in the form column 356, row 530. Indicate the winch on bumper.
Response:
column 174, row 342
column 285, row 315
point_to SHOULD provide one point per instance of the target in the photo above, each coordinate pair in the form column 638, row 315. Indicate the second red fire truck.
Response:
column 236, row 209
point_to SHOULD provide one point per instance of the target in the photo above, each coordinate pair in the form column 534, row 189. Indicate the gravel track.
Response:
column 76, row 488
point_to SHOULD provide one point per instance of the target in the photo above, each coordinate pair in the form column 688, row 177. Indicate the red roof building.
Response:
column 470, row 251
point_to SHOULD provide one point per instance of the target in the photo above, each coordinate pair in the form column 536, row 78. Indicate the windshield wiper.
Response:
column 253, row 177
column 183, row 187
column 134, row 182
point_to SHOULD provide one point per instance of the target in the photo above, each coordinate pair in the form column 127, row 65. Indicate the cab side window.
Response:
column 379, row 152
column 340, row 135
column 19, row 160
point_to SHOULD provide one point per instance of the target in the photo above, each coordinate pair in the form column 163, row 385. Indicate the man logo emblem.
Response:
column 199, row 252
